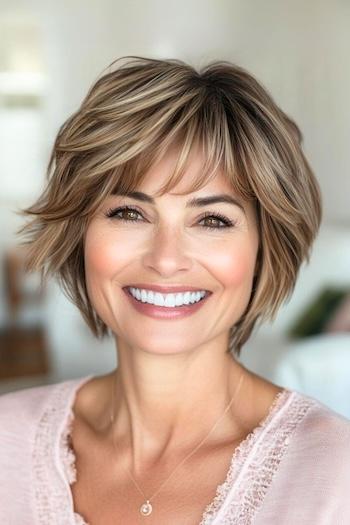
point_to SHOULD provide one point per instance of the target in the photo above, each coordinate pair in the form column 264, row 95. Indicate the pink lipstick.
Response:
column 163, row 312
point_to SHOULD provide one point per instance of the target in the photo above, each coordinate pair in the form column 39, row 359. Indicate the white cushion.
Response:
column 318, row 366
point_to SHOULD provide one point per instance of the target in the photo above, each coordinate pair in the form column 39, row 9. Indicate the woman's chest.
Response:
column 105, row 494
column 168, row 508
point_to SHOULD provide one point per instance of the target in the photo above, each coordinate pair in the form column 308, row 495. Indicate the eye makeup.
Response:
column 115, row 213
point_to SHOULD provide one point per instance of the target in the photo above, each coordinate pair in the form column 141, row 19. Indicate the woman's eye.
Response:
column 217, row 217
column 128, row 214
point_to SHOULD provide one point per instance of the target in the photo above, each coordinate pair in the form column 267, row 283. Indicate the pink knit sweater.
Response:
column 293, row 469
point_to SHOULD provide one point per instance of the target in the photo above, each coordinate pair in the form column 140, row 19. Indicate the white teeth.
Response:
column 169, row 300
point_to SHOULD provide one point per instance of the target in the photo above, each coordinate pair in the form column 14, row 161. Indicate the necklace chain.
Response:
column 146, row 508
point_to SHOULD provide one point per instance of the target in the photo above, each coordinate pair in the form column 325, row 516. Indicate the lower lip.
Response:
column 162, row 312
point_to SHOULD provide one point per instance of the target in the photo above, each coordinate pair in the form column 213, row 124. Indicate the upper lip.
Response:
column 167, row 289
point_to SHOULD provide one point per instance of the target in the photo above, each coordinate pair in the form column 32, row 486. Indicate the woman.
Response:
column 178, row 211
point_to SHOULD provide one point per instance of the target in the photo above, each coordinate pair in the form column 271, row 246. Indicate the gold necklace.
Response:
column 146, row 508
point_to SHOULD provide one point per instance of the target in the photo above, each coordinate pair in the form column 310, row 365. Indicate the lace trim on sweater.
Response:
column 254, row 463
column 53, row 461
column 68, row 460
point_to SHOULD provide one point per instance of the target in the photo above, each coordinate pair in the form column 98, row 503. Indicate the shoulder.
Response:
column 321, row 440
column 23, row 409
column 322, row 425
column 26, row 402
column 20, row 415
column 24, row 406
column 309, row 466
column 30, row 424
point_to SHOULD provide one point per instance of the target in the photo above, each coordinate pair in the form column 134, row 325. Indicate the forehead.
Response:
column 158, row 175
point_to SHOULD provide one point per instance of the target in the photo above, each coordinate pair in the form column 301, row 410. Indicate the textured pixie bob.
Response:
column 128, row 121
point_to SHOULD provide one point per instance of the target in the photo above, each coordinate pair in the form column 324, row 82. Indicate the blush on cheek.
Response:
column 103, row 254
column 98, row 277
column 234, row 270
column 95, row 252
column 104, row 260
column 98, row 261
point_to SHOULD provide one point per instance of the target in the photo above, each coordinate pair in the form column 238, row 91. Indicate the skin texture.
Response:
column 172, row 375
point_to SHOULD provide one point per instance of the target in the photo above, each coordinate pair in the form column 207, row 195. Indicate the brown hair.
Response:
column 128, row 120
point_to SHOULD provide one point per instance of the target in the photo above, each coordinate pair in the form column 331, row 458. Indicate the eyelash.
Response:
column 112, row 214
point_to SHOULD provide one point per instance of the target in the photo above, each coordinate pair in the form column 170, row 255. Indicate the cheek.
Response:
column 97, row 257
column 234, row 267
column 102, row 256
column 103, row 260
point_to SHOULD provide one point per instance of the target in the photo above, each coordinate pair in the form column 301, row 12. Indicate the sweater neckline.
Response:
column 242, row 455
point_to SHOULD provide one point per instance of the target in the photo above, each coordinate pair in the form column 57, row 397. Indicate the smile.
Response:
column 166, row 306
column 167, row 300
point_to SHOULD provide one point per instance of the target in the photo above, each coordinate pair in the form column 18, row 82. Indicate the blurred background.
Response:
column 50, row 54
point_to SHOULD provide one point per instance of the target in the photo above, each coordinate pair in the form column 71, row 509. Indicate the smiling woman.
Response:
column 207, row 243
column 178, row 210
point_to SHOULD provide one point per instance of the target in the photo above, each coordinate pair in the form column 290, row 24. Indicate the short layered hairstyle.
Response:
column 128, row 120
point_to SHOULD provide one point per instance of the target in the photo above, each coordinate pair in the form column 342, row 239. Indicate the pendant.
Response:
column 146, row 508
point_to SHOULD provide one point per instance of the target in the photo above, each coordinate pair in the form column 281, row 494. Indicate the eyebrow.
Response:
column 196, row 202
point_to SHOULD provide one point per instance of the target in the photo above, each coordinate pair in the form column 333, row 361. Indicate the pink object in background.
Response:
column 340, row 320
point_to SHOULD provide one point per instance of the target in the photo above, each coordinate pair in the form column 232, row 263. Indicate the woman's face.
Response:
column 168, row 243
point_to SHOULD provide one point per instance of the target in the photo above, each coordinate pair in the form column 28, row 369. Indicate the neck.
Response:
column 158, row 398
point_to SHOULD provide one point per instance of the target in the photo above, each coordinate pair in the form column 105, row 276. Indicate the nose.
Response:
column 167, row 253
